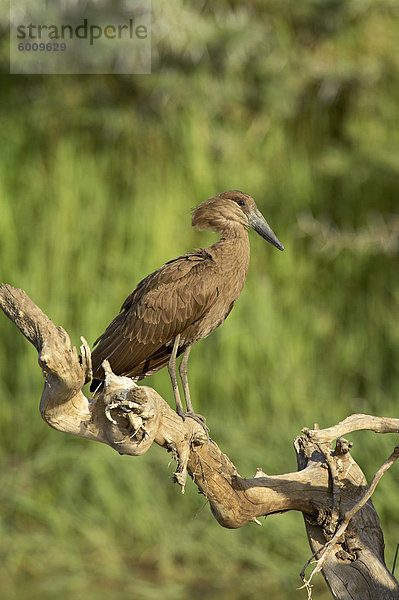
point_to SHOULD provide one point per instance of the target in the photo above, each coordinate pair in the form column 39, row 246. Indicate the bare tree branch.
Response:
column 353, row 423
column 325, row 551
column 327, row 488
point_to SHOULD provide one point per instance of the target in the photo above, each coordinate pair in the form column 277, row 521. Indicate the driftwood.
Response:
column 329, row 488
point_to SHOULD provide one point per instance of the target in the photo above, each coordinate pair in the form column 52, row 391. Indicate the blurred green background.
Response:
column 293, row 102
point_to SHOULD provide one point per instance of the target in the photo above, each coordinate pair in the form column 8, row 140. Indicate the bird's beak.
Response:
column 260, row 225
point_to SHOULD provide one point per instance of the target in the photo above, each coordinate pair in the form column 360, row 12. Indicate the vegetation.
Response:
column 294, row 103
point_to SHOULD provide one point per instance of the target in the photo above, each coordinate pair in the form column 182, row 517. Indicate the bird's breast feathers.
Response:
column 178, row 296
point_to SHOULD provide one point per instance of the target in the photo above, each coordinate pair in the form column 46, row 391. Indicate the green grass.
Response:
column 96, row 186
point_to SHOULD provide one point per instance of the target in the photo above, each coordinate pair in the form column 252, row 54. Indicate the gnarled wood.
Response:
column 130, row 418
column 354, row 423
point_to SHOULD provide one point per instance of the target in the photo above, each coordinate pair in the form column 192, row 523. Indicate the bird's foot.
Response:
column 200, row 419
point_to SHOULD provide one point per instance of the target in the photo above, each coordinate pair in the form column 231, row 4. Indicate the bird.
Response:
column 185, row 300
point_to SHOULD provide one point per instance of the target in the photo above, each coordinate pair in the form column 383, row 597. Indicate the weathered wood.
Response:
column 129, row 418
column 354, row 566
column 354, row 423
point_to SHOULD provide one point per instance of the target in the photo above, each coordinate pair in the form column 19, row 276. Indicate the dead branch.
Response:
column 376, row 237
column 325, row 551
column 328, row 487
column 353, row 423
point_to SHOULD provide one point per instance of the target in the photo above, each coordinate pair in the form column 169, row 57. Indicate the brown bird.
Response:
column 184, row 300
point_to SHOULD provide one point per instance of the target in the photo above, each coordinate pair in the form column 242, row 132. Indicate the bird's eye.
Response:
column 240, row 202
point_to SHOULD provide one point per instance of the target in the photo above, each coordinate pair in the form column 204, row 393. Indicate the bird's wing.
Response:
column 163, row 305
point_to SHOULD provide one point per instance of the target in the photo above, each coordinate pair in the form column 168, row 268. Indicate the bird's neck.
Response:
column 233, row 249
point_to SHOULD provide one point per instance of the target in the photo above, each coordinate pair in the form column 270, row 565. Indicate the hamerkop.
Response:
column 184, row 300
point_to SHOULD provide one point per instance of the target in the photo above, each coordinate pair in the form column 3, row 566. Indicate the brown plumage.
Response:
column 185, row 299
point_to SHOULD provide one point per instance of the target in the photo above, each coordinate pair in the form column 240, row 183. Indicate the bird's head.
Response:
column 228, row 211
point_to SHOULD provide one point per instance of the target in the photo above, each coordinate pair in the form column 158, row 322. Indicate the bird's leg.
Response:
column 184, row 380
column 183, row 375
column 173, row 377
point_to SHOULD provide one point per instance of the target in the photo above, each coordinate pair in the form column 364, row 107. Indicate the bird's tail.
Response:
column 96, row 386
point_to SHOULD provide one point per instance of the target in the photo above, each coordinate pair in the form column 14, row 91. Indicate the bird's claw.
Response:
column 200, row 419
